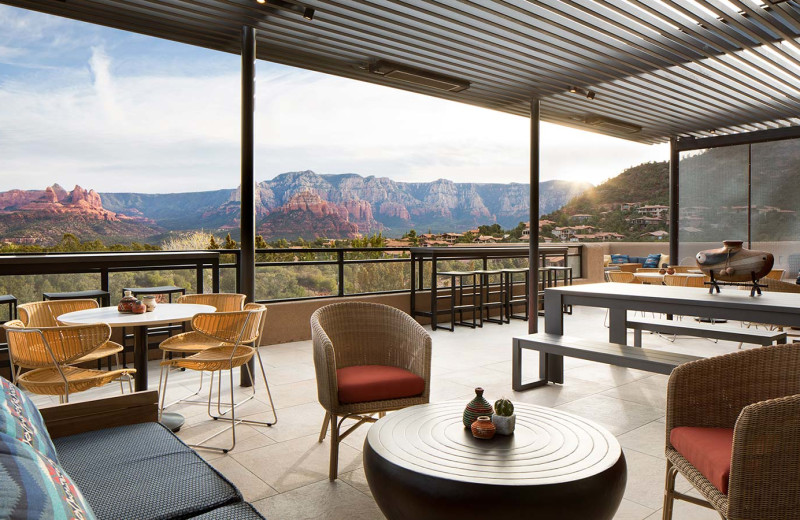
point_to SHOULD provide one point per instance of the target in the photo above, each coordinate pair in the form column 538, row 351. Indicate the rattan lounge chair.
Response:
column 733, row 431
column 46, row 313
column 232, row 331
column 51, row 352
column 358, row 347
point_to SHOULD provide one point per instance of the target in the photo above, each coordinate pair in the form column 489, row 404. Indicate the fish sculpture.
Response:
column 733, row 263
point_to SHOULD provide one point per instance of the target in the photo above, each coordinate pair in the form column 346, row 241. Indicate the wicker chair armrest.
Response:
column 766, row 460
column 712, row 392
column 325, row 366
column 415, row 345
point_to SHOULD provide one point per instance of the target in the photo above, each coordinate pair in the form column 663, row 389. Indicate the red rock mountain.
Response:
column 307, row 214
column 44, row 215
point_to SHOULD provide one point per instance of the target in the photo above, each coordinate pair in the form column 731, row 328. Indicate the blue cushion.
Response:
column 20, row 419
column 652, row 260
column 619, row 259
column 34, row 487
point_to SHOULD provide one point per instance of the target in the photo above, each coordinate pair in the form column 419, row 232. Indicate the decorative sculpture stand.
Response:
column 734, row 265
column 755, row 287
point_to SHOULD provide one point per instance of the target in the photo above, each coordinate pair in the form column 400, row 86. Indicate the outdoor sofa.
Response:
column 105, row 459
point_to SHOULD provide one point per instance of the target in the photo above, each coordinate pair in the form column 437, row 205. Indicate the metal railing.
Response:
column 337, row 269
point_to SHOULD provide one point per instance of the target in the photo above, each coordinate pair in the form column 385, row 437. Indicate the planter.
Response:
column 504, row 424
column 483, row 428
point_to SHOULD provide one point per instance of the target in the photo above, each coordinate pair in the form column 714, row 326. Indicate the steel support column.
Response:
column 674, row 206
column 247, row 273
column 533, row 236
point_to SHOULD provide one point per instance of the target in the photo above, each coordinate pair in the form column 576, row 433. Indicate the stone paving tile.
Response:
column 321, row 500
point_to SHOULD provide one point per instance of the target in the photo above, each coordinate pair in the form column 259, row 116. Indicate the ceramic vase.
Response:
column 476, row 408
column 483, row 428
column 734, row 263
column 126, row 302
column 505, row 424
column 149, row 302
column 138, row 307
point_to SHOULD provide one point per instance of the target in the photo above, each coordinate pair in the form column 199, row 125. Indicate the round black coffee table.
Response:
column 421, row 463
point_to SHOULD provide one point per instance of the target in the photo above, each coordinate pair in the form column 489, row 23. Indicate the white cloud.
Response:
column 133, row 123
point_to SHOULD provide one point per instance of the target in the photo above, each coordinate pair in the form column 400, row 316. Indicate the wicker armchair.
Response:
column 232, row 332
column 375, row 344
column 223, row 302
column 46, row 313
column 622, row 277
column 51, row 352
column 750, row 400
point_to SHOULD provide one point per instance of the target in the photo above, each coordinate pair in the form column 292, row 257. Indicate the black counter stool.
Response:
column 465, row 295
column 565, row 272
column 513, row 280
column 11, row 301
column 103, row 297
column 162, row 290
column 493, row 291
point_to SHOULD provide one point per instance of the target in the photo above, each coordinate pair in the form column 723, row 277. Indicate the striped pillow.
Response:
column 33, row 487
column 19, row 418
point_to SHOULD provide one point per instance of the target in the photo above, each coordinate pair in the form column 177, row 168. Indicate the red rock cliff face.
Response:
column 307, row 215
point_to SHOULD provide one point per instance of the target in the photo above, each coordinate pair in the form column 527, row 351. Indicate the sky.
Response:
column 117, row 112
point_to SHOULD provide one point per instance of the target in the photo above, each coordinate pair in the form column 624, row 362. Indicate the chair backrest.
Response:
column 696, row 281
column 238, row 327
column 774, row 285
column 364, row 333
column 45, row 314
column 648, row 269
column 621, row 277
column 682, row 268
column 37, row 347
column 223, row 302
column 776, row 274
column 675, row 280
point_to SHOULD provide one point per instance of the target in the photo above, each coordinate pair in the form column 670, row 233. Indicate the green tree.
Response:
column 212, row 243
column 261, row 243
column 229, row 243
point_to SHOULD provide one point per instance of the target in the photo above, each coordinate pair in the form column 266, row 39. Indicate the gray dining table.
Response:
column 619, row 298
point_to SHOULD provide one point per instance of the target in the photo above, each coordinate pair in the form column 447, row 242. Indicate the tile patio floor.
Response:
column 282, row 470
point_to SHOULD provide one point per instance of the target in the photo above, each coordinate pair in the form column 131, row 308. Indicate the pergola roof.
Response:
column 685, row 67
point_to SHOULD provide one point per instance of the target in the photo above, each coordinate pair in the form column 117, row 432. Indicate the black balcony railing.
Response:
column 282, row 275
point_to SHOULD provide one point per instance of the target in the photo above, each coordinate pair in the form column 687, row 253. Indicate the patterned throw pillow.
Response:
column 619, row 259
column 34, row 487
column 19, row 418
column 652, row 260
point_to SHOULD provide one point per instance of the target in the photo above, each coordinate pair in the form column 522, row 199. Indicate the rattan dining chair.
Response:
column 46, row 313
column 369, row 359
column 775, row 274
column 622, row 277
column 233, row 331
column 733, row 431
column 191, row 342
column 51, row 353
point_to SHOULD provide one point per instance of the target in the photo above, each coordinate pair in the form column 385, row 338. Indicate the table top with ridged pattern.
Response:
column 548, row 446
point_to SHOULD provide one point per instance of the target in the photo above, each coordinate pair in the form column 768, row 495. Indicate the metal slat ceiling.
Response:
column 671, row 67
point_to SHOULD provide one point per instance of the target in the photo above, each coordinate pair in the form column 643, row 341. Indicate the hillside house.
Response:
column 646, row 221
column 451, row 238
column 652, row 211
column 486, row 239
column 658, row 235
column 629, row 206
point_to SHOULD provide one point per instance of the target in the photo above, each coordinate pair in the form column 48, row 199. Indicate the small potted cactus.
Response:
column 504, row 419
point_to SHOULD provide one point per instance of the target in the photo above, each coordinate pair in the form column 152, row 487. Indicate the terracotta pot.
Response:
column 126, row 302
column 505, row 424
column 483, row 428
column 476, row 408
column 670, row 270
column 138, row 307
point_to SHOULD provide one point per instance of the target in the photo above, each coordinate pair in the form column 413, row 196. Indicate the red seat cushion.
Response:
column 362, row 383
column 708, row 450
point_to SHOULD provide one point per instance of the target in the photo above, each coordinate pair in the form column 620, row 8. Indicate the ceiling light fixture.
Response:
column 712, row 131
column 573, row 90
column 416, row 76
column 590, row 94
column 308, row 13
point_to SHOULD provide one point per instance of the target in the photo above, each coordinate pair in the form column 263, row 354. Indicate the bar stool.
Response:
column 102, row 297
column 11, row 301
column 493, row 295
column 567, row 274
column 545, row 281
column 161, row 290
column 518, row 299
column 470, row 290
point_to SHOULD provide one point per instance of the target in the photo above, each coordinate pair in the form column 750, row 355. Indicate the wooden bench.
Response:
column 657, row 361
column 704, row 330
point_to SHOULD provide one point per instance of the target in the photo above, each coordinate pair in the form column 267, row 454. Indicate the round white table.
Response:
column 163, row 314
